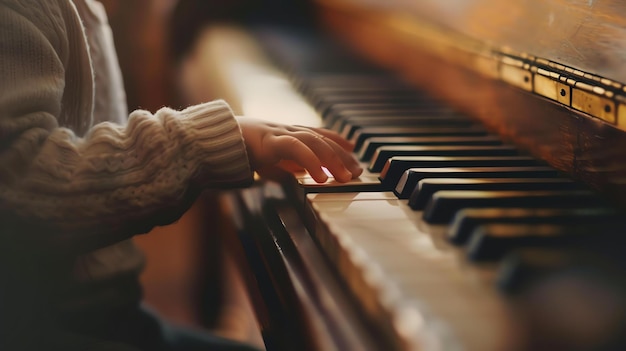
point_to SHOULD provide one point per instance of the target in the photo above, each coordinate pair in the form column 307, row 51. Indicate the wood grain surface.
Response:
column 585, row 34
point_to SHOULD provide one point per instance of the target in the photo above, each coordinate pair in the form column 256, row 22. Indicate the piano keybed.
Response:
column 452, row 239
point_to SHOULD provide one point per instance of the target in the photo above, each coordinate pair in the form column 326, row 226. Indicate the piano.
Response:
column 491, row 213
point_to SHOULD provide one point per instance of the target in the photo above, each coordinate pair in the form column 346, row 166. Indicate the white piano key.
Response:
column 380, row 245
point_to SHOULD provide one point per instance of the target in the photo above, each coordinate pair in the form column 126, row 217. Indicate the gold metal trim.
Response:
column 593, row 104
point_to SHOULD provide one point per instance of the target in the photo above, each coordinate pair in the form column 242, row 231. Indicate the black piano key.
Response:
column 467, row 220
column 306, row 85
column 359, row 137
column 395, row 166
column 338, row 94
column 379, row 116
column 334, row 87
column 569, row 299
column 493, row 241
column 522, row 267
column 427, row 187
column 444, row 204
column 370, row 145
column 350, row 96
column 410, row 178
column 383, row 153
column 325, row 105
column 329, row 89
column 349, row 125
column 335, row 112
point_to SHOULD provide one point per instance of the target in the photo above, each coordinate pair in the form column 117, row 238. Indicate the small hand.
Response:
column 312, row 148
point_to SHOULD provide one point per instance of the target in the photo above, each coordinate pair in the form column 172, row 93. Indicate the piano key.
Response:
column 335, row 112
column 351, row 196
column 339, row 93
column 383, row 153
column 567, row 298
column 345, row 81
column 520, row 267
column 329, row 89
column 410, row 178
column 359, row 136
column 304, row 184
column 527, row 266
column 467, row 220
column 380, row 109
column 579, row 304
column 444, row 204
column 363, row 183
column 324, row 106
column 493, row 241
column 427, row 187
column 396, row 165
column 337, row 117
column 389, row 260
column 346, row 126
column 370, row 145
column 320, row 100
column 349, row 97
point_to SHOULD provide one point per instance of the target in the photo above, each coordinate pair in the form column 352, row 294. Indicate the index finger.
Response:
column 345, row 144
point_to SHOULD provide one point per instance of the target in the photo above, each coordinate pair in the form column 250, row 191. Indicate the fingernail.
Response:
column 347, row 175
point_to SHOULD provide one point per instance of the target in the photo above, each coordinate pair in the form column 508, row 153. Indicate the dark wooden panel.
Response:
column 585, row 34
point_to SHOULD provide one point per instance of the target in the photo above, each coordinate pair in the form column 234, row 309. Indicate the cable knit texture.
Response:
column 77, row 174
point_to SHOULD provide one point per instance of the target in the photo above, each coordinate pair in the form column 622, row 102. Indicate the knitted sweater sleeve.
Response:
column 80, row 193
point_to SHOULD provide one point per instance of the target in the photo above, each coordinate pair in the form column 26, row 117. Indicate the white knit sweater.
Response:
column 78, row 176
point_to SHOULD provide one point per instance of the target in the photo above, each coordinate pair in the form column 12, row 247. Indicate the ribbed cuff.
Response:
column 214, row 139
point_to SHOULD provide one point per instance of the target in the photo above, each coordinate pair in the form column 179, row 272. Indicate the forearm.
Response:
column 121, row 179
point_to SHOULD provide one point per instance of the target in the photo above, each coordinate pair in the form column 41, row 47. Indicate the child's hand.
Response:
column 268, row 143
